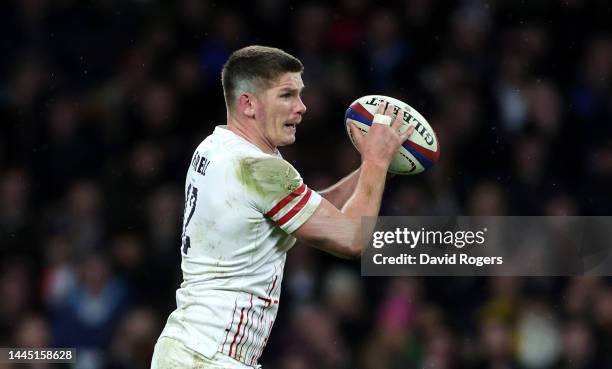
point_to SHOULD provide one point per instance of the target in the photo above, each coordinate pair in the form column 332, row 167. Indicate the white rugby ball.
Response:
column 419, row 153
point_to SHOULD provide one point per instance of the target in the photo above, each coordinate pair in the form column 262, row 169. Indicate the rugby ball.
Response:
column 419, row 153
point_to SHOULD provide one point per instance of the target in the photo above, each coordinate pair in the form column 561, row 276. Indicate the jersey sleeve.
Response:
column 277, row 191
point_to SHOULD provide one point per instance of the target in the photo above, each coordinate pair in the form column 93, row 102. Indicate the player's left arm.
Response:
column 339, row 193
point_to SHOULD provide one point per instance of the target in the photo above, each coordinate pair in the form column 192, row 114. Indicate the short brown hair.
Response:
column 253, row 68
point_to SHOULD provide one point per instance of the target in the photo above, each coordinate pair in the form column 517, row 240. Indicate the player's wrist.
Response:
column 375, row 164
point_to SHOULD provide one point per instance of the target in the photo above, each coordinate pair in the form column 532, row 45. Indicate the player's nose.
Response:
column 301, row 107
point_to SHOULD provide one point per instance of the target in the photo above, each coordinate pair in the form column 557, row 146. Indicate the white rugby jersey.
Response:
column 241, row 206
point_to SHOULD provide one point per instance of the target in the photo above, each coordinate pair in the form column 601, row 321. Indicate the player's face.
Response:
column 281, row 109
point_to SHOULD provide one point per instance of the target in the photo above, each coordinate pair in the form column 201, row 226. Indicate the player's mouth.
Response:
column 291, row 126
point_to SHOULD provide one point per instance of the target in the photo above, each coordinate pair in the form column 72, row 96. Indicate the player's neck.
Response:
column 250, row 133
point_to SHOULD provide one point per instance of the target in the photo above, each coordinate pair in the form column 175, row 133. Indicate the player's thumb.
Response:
column 357, row 134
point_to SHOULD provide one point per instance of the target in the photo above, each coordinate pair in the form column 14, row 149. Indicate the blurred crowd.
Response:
column 102, row 103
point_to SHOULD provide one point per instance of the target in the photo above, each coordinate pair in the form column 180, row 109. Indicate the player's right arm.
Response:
column 338, row 231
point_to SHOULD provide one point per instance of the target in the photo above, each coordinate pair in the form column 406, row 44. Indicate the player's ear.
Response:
column 246, row 104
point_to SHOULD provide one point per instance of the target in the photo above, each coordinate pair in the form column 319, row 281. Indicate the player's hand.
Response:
column 382, row 140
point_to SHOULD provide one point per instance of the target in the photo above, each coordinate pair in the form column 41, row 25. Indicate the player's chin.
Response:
column 288, row 137
column 287, row 140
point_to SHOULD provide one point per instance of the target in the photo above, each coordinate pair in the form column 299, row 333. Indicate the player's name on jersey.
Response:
column 200, row 163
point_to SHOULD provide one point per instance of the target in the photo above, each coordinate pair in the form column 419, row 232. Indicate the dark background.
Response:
column 102, row 103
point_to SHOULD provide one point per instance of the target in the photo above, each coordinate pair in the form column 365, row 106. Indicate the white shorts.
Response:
column 171, row 353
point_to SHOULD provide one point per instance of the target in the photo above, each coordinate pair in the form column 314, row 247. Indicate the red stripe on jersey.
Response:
column 271, row 284
column 256, row 353
column 268, row 300
column 237, row 331
column 255, row 338
column 299, row 206
column 265, row 341
column 281, row 204
column 228, row 329
column 246, row 329
column 252, row 340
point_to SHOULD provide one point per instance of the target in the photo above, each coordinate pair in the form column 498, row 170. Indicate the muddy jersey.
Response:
column 241, row 206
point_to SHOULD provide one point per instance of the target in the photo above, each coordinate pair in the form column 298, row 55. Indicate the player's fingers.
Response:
column 383, row 115
column 356, row 133
column 399, row 119
column 380, row 109
column 406, row 135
